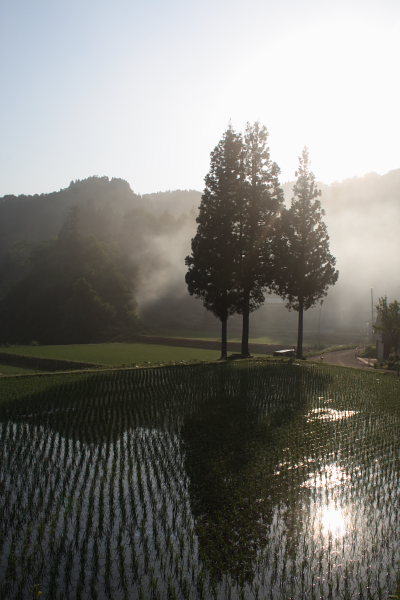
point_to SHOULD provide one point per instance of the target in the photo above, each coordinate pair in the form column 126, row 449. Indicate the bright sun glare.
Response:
column 337, row 95
column 333, row 522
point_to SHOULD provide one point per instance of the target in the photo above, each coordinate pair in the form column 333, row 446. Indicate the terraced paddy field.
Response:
column 226, row 481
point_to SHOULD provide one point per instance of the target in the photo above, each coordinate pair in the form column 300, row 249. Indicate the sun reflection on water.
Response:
column 329, row 414
column 330, row 476
column 332, row 521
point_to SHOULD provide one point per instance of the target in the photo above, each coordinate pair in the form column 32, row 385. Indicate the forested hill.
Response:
column 153, row 232
column 373, row 200
column 95, row 246
column 40, row 217
column 103, row 204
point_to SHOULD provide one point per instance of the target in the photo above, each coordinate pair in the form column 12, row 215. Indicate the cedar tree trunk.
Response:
column 245, row 325
column 224, row 349
column 300, row 329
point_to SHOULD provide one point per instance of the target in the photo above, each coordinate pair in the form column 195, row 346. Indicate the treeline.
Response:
column 74, row 264
column 74, row 289
column 40, row 217
column 248, row 243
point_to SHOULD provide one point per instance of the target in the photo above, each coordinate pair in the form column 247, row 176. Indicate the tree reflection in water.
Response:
column 231, row 443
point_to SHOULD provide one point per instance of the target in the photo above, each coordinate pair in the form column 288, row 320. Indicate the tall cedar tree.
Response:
column 260, row 205
column 211, row 265
column 305, row 267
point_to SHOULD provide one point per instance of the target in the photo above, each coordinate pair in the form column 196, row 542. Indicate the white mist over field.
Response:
column 164, row 259
column 362, row 217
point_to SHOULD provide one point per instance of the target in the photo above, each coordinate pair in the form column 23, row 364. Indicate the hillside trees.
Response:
column 388, row 323
column 212, row 264
column 76, row 289
column 133, row 228
column 259, row 207
column 304, row 266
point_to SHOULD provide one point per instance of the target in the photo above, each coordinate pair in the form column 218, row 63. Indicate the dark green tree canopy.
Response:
column 211, row 273
column 76, row 289
column 211, row 266
column 259, row 206
column 257, row 211
column 305, row 266
column 230, row 266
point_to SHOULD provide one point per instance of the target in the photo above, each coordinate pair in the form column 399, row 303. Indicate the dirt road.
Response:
column 344, row 358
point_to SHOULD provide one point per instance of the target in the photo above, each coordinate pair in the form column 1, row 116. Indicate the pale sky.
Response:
column 144, row 91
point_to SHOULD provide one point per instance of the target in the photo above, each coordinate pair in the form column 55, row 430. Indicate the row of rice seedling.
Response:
column 214, row 481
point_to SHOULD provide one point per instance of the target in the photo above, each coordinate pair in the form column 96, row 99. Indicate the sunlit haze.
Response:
column 145, row 91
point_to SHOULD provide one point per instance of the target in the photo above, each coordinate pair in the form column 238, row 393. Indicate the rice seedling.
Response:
column 248, row 480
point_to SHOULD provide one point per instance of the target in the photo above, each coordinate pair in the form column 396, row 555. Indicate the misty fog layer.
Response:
column 154, row 231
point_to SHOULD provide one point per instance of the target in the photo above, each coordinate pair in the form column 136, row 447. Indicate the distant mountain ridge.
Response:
column 40, row 216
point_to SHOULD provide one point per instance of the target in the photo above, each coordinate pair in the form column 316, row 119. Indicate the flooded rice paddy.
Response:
column 264, row 481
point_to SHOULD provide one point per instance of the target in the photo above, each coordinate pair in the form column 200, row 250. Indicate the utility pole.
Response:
column 319, row 326
column 372, row 314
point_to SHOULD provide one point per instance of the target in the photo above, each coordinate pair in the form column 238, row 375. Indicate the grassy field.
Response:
column 118, row 354
column 196, row 335
column 233, row 481
column 115, row 354
column 312, row 338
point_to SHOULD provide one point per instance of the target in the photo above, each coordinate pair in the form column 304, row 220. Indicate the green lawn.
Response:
column 209, row 337
column 312, row 338
column 115, row 354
